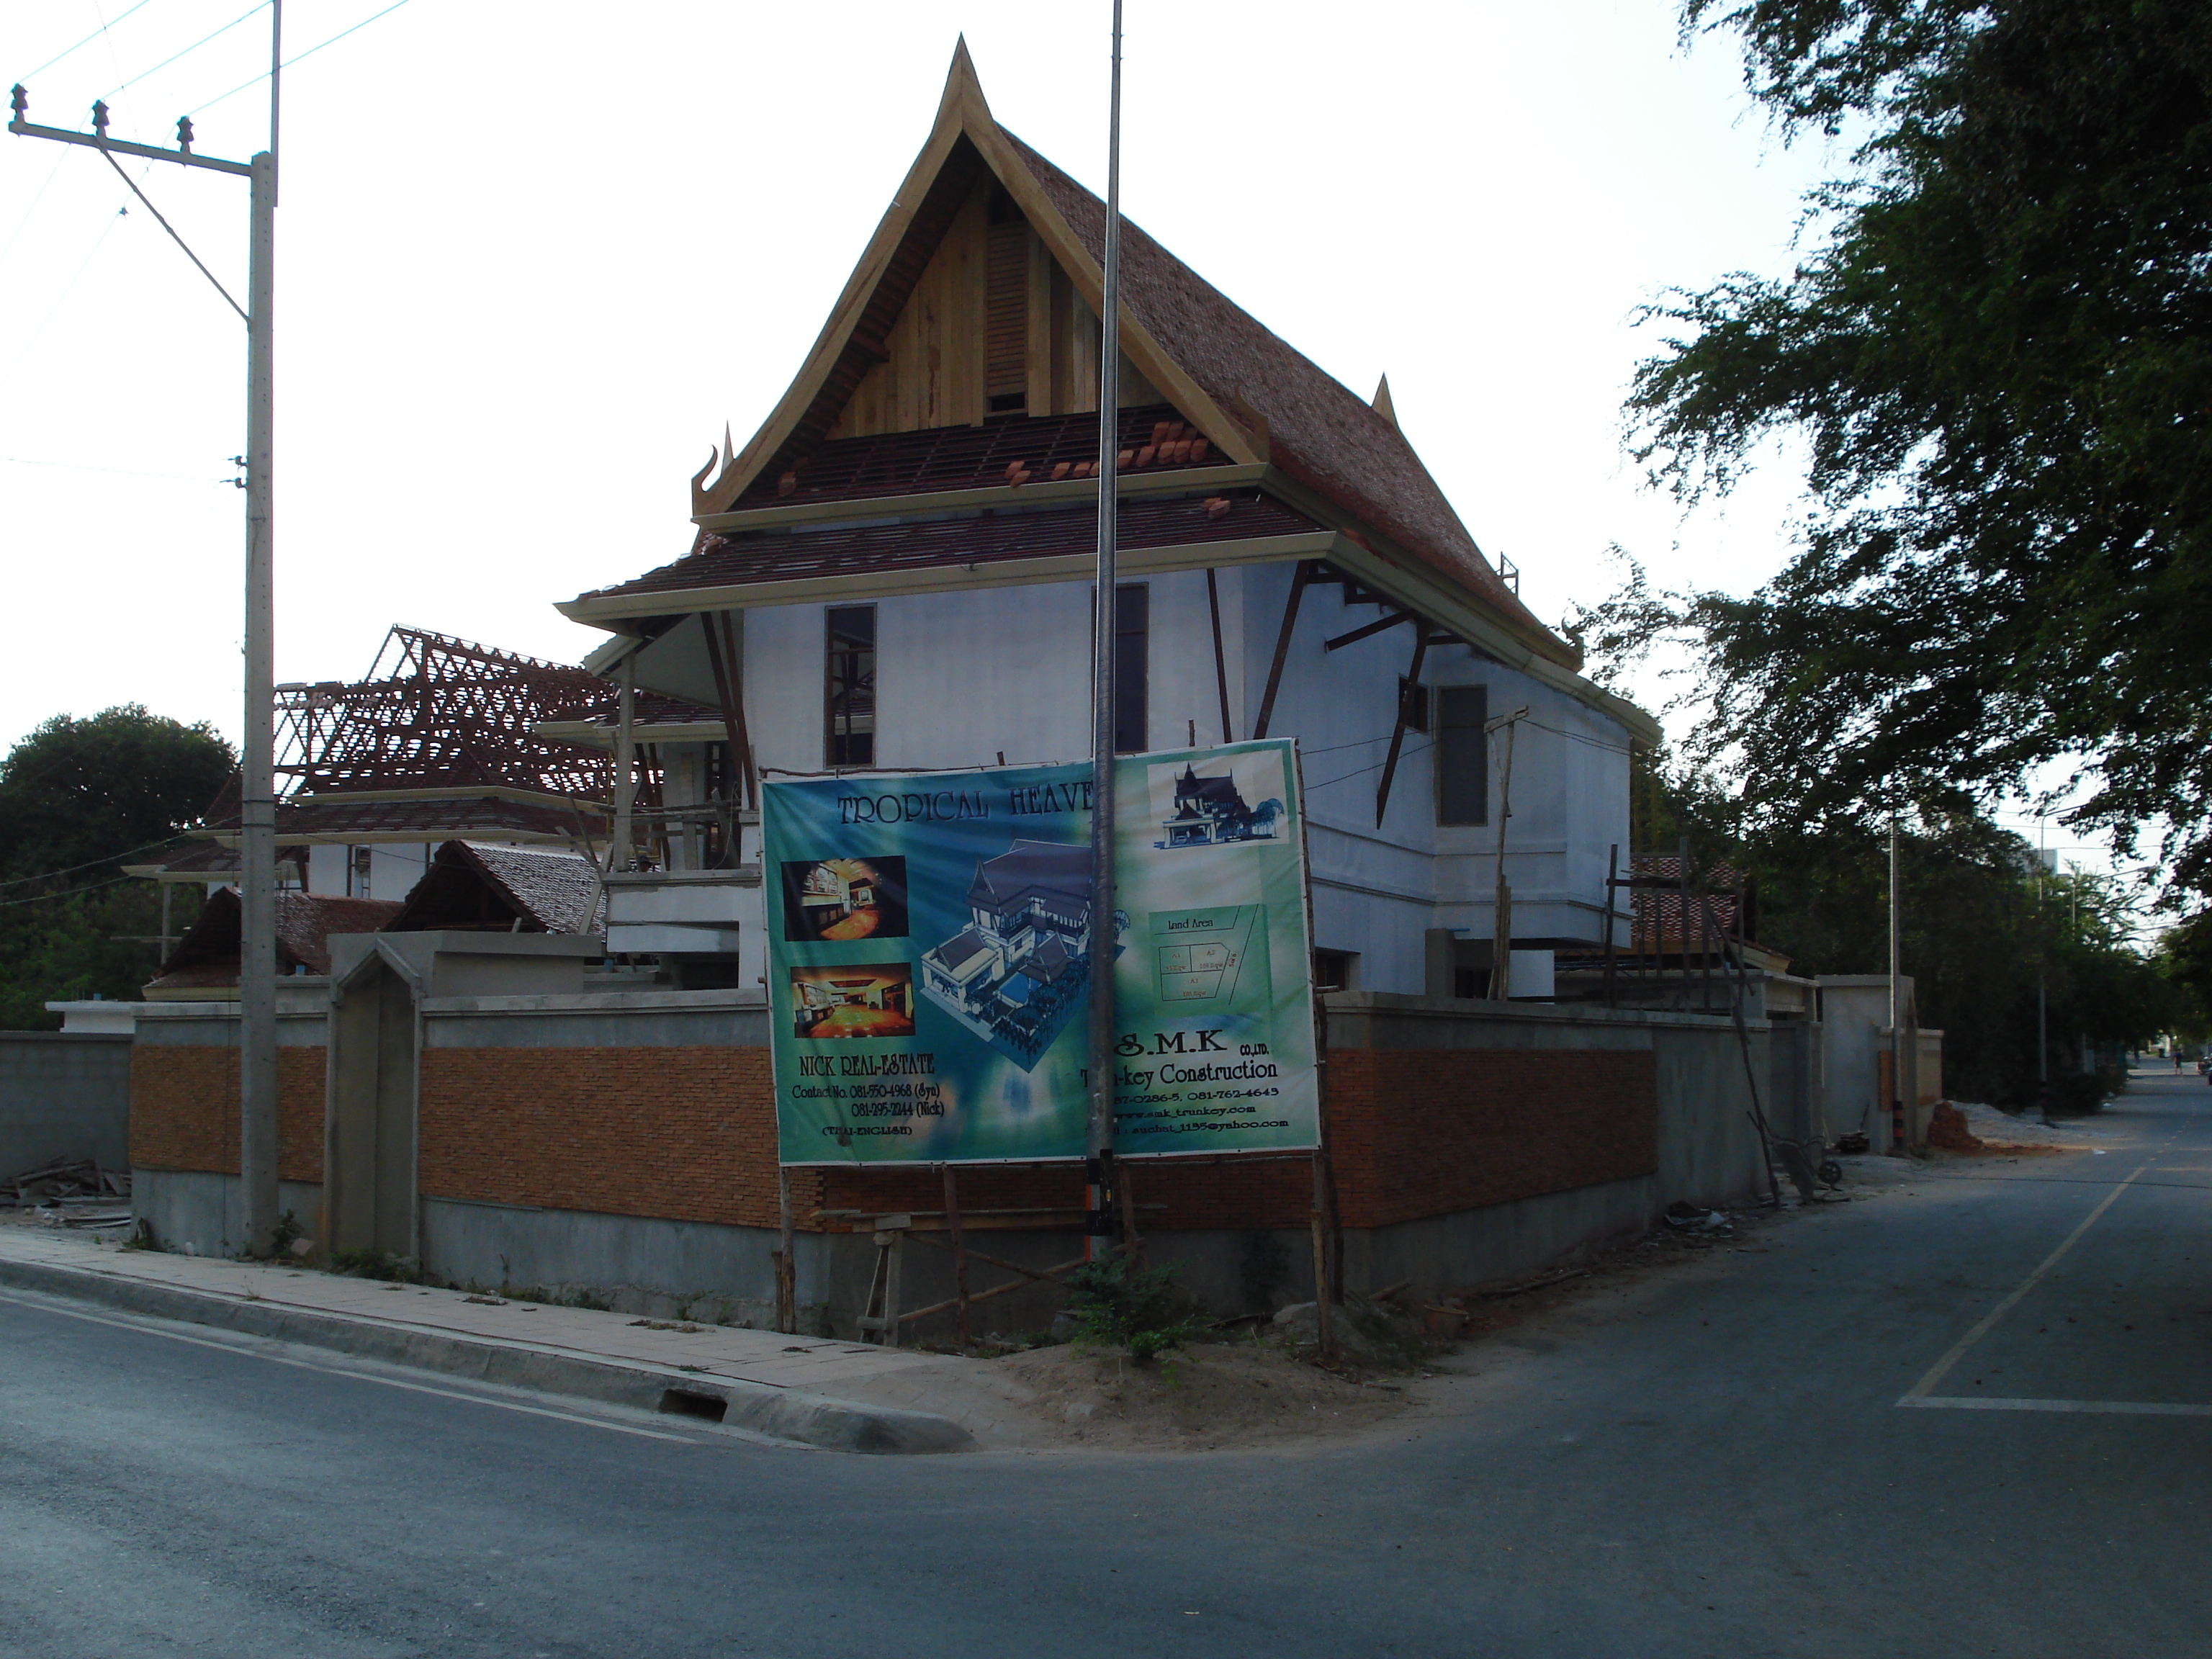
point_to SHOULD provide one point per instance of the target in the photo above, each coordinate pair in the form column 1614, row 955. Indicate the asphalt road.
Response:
column 1713, row 1462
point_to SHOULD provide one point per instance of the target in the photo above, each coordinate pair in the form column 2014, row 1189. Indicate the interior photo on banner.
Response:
column 929, row 939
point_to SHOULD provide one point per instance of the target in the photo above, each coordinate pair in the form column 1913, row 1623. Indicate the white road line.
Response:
column 2121, row 1407
column 339, row 1370
column 1936, row 1374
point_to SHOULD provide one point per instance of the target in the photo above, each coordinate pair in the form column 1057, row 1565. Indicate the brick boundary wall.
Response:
column 689, row 1134
column 184, row 1109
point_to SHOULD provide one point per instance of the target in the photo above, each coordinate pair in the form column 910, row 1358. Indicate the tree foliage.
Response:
column 1998, row 364
column 78, row 800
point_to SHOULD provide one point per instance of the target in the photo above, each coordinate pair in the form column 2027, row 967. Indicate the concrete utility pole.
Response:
column 256, row 862
column 1098, row 1138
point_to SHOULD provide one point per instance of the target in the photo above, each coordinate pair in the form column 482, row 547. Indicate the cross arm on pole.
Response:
column 19, row 103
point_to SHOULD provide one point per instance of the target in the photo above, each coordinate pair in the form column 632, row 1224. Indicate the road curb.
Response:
column 809, row 1419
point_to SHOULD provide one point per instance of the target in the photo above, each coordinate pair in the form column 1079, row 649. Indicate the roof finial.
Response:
column 962, row 78
column 1383, row 405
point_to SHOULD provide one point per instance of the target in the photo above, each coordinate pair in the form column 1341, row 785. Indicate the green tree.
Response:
column 79, row 798
column 1997, row 361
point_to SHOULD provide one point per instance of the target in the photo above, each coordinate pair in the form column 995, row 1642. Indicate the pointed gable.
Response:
column 973, row 303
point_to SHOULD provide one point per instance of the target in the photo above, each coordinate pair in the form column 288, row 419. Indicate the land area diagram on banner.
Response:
column 929, row 939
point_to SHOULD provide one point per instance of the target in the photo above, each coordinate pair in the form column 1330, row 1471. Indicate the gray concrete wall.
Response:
column 64, row 1095
column 197, row 1213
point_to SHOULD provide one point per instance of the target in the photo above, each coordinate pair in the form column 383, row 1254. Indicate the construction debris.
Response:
column 65, row 1180
column 72, row 1193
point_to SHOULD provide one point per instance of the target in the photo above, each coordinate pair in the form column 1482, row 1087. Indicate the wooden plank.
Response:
column 1398, row 733
column 1298, row 581
column 1220, row 661
column 996, row 1290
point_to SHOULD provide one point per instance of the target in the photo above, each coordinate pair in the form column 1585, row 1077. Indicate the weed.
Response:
column 287, row 1228
column 1119, row 1300
column 588, row 1297
column 374, row 1263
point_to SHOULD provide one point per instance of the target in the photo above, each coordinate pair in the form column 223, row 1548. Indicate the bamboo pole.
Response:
column 959, row 1253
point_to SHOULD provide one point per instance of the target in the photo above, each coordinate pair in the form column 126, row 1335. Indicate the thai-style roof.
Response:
column 1229, row 403
column 486, row 886
column 1056, row 874
column 206, row 959
column 761, row 557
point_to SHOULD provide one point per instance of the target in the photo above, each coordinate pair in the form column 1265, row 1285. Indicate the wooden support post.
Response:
column 1220, row 659
column 787, row 1271
column 1682, row 921
column 1612, row 873
column 734, row 665
column 1132, row 1245
column 1324, row 1293
column 959, row 1254
column 1303, row 575
column 1398, row 729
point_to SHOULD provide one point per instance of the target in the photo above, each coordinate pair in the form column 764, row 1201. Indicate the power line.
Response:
column 194, row 47
column 23, row 223
column 92, row 864
column 201, row 108
column 88, row 40
column 114, row 472
column 67, row 892
column 32, row 338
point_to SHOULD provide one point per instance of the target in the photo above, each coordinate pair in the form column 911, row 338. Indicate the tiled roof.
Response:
column 734, row 561
column 1318, row 430
column 1046, row 447
column 207, row 955
column 1055, row 873
column 433, row 820
column 549, row 891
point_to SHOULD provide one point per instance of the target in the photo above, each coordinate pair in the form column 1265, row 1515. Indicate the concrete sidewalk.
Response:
column 769, row 1382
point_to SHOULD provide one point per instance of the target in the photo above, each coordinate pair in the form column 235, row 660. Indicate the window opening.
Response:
column 1412, row 704
column 1333, row 970
column 1132, row 661
column 1462, row 752
column 851, row 687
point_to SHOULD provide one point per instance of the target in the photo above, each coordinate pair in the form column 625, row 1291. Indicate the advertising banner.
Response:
column 929, row 939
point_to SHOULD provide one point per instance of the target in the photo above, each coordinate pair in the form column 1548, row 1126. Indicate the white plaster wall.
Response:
column 963, row 677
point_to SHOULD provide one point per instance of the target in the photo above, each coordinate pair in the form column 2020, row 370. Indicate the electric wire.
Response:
column 67, row 892
column 187, row 52
column 114, row 472
column 288, row 62
column 94, row 864
column 68, row 287
column 88, row 40
column 15, row 235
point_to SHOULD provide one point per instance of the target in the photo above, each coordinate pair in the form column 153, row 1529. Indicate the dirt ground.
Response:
column 1207, row 1397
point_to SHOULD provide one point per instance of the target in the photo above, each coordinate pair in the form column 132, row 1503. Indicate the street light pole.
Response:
column 1098, row 1133
column 257, row 860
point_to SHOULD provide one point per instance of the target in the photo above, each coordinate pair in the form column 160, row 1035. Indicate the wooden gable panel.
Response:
column 933, row 371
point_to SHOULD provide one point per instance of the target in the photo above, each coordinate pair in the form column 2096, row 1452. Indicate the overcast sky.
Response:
column 532, row 259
